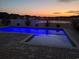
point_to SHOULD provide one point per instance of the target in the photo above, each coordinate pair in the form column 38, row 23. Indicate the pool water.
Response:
column 43, row 36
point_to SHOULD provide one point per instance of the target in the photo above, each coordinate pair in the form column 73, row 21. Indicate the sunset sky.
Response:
column 41, row 7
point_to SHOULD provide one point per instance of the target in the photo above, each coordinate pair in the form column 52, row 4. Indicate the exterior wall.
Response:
column 62, row 25
column 14, row 22
column 39, row 23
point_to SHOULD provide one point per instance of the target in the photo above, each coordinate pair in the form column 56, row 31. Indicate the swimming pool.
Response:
column 43, row 36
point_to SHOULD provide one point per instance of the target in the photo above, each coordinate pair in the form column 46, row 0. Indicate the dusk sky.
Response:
column 41, row 7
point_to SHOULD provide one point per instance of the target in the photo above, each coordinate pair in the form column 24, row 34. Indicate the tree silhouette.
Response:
column 28, row 22
column 47, row 23
column 5, row 22
column 4, row 15
column 75, row 24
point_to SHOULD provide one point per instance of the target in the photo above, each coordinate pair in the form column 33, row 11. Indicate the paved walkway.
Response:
column 38, row 52
column 9, row 39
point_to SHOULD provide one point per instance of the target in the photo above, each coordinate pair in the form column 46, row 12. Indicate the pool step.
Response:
column 30, row 38
column 27, row 39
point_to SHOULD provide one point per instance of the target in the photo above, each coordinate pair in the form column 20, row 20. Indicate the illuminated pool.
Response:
column 43, row 36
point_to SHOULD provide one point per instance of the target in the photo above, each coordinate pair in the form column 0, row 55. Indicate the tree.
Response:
column 13, row 16
column 5, row 22
column 47, row 23
column 75, row 24
column 27, row 22
column 4, row 15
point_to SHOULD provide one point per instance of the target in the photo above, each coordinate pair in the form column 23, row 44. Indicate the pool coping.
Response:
column 71, row 38
column 32, row 27
column 27, row 39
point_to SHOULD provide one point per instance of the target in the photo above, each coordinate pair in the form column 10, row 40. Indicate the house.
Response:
column 23, row 22
column 18, row 22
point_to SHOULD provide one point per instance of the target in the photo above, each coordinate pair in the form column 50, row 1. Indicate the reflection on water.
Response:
column 35, row 31
column 50, row 40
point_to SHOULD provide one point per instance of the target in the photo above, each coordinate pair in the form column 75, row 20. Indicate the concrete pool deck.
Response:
column 7, row 39
column 73, row 35
column 10, row 50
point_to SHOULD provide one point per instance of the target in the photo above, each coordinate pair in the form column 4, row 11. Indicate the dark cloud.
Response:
column 56, row 13
column 67, row 0
column 75, row 12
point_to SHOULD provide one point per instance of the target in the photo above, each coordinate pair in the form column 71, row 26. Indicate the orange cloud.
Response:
column 74, row 12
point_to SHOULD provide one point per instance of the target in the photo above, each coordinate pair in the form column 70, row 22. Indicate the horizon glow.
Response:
column 40, row 7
